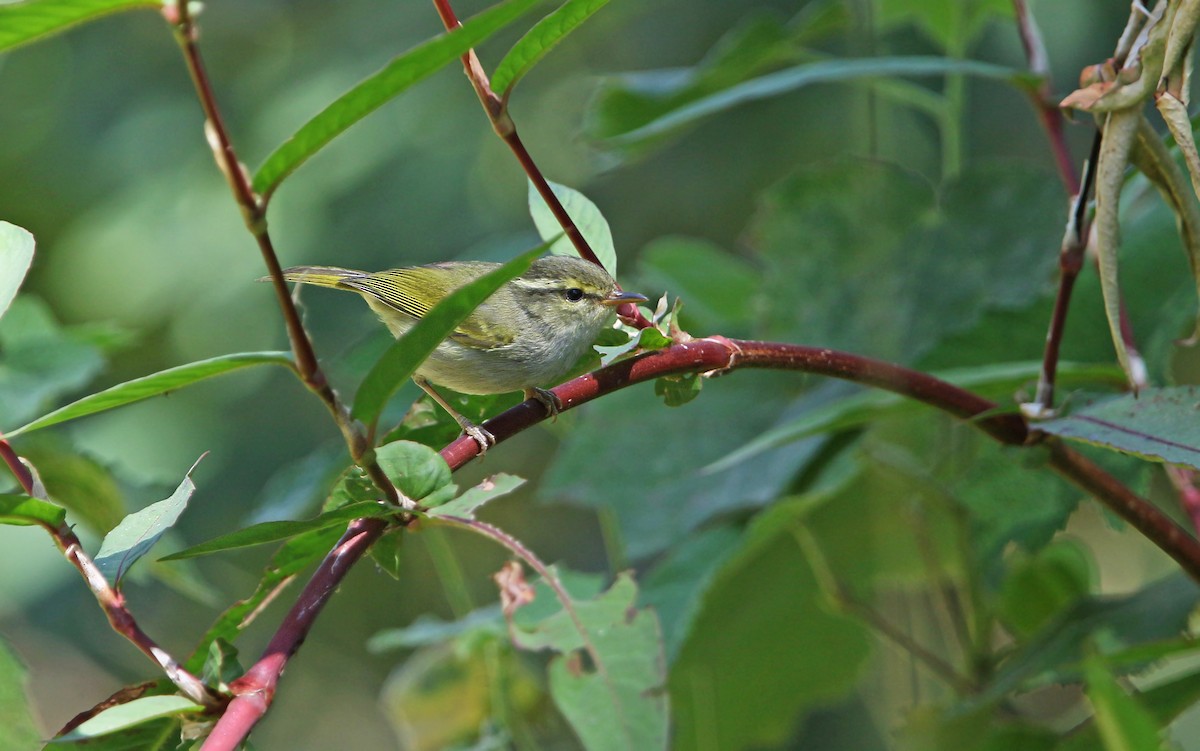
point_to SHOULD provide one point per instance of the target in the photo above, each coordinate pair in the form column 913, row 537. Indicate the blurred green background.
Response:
column 104, row 160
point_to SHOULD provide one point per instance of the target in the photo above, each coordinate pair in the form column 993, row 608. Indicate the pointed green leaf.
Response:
column 469, row 502
column 587, row 217
column 403, row 357
column 1123, row 723
column 25, row 22
column 540, row 40
column 793, row 79
column 137, row 533
column 369, row 95
column 861, row 408
column 130, row 714
column 259, row 534
column 155, row 384
column 16, row 253
column 1159, row 610
column 293, row 556
column 1157, row 424
column 17, row 726
column 23, row 511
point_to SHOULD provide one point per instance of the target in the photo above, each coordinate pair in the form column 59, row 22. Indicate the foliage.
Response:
column 776, row 560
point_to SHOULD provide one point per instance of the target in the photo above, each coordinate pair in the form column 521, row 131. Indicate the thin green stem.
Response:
column 449, row 572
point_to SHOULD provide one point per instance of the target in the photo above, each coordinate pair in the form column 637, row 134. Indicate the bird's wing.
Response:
column 413, row 290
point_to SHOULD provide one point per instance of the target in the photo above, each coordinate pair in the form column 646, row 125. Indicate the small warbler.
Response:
column 526, row 335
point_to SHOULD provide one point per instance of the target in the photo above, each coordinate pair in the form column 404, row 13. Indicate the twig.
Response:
column 254, row 213
column 1047, row 107
column 111, row 601
column 496, row 108
column 1070, row 262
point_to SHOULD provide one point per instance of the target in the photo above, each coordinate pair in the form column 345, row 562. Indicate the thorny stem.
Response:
column 111, row 601
column 496, row 108
column 254, row 212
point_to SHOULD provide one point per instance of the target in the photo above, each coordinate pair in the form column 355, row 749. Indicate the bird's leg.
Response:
column 485, row 439
column 548, row 399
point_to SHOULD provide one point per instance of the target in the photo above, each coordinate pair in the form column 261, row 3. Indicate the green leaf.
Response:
column 155, row 384
column 23, row 511
column 418, row 471
column 587, row 217
column 539, row 40
column 1160, row 424
column 41, row 361
column 137, row 533
column 222, row 667
column 445, row 696
column 16, row 254
column 676, row 391
column 84, row 487
column 721, row 290
column 130, row 714
column 613, row 697
column 795, row 78
column 677, row 584
column 1038, row 589
column 260, row 534
column 293, row 556
column 756, row 44
column 472, row 499
column 748, row 670
column 404, row 356
column 404, row 71
column 428, row 630
column 657, row 505
column 1158, row 611
column 863, row 407
column 17, row 726
column 25, row 22
column 1164, row 702
column 952, row 24
column 1124, row 724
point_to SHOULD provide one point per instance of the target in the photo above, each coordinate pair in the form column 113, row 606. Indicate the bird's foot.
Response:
column 482, row 437
column 548, row 399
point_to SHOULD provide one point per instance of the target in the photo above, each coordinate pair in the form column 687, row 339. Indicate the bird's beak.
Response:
column 620, row 297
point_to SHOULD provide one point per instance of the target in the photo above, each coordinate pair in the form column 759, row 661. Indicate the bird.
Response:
column 528, row 334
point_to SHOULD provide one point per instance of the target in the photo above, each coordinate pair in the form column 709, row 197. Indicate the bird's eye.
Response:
column 574, row 294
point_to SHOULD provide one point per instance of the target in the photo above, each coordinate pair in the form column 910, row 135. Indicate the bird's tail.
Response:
column 321, row 276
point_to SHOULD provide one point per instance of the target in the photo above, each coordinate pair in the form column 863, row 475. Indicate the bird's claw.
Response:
column 548, row 399
column 482, row 437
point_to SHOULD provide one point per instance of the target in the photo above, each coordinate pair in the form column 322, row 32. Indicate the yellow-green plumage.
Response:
column 526, row 335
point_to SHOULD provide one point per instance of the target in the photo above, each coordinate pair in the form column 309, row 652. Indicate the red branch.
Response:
column 111, row 601
column 711, row 356
column 254, row 691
